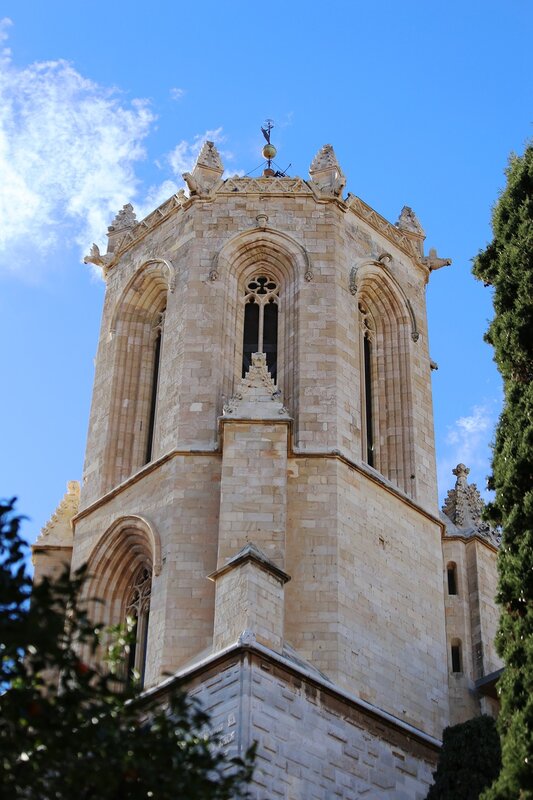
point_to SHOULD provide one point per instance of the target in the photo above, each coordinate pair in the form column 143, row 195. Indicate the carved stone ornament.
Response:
column 210, row 157
column 207, row 171
column 409, row 222
column 353, row 280
column 257, row 396
column 125, row 218
column 247, row 637
column 464, row 507
column 326, row 174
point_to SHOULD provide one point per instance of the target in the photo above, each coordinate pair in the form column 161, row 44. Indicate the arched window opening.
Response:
column 261, row 299
column 138, row 349
column 158, row 337
column 451, row 570
column 456, row 656
column 138, row 610
column 366, row 388
column 386, row 410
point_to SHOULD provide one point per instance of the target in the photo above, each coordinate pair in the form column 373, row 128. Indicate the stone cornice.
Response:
column 383, row 226
column 466, row 539
column 272, row 187
column 362, row 469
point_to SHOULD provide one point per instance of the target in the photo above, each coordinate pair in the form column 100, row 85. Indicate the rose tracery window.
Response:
column 138, row 609
column 261, row 301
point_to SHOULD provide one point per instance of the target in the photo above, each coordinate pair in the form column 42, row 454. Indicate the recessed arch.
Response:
column 369, row 266
column 385, row 324
column 128, row 548
column 281, row 250
column 137, row 333
column 154, row 278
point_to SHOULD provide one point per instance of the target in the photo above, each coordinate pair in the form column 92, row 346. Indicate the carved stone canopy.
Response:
column 464, row 507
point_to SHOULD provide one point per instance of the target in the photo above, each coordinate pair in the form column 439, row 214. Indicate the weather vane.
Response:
column 269, row 151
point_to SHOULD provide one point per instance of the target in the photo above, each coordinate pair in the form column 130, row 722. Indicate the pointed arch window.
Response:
column 261, row 310
column 367, row 393
column 157, row 342
column 138, row 609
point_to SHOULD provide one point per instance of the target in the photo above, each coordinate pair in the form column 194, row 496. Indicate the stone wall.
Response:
column 313, row 743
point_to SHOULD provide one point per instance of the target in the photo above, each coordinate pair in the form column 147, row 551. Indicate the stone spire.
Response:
column 464, row 507
column 207, row 171
column 326, row 174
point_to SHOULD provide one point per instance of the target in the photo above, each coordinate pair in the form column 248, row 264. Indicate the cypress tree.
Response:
column 507, row 266
column 469, row 761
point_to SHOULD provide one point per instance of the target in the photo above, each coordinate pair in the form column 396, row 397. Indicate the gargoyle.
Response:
column 191, row 182
column 432, row 261
column 101, row 260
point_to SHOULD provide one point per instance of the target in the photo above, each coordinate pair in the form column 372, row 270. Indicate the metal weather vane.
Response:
column 269, row 151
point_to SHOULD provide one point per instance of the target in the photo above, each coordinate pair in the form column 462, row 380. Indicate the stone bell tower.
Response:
column 259, row 488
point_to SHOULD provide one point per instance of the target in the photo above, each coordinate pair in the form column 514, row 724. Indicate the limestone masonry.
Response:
column 259, row 489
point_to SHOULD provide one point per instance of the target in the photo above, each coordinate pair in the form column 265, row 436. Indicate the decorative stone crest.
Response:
column 326, row 174
column 257, row 396
column 207, row 171
column 464, row 507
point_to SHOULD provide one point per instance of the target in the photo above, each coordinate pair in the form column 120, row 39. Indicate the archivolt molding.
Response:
column 156, row 275
column 113, row 541
column 367, row 268
column 275, row 247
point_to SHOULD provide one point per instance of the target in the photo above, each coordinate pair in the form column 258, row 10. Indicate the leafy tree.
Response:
column 470, row 760
column 70, row 731
column 507, row 265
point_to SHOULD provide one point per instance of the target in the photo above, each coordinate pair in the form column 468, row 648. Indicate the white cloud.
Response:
column 68, row 149
column 467, row 441
column 176, row 93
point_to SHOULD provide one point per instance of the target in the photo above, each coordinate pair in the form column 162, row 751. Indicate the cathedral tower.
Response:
column 259, row 488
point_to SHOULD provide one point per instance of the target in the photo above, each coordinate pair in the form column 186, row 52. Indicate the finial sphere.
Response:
column 269, row 151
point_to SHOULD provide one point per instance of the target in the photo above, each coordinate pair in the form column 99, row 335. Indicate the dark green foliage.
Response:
column 71, row 732
column 470, row 760
column 507, row 265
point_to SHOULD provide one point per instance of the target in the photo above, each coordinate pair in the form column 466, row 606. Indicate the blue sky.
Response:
column 106, row 103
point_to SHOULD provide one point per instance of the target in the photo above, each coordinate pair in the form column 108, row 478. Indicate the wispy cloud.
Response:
column 68, row 150
column 468, row 441
column 183, row 157
column 177, row 93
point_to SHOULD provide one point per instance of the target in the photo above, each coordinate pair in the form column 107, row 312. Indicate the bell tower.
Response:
column 259, row 487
